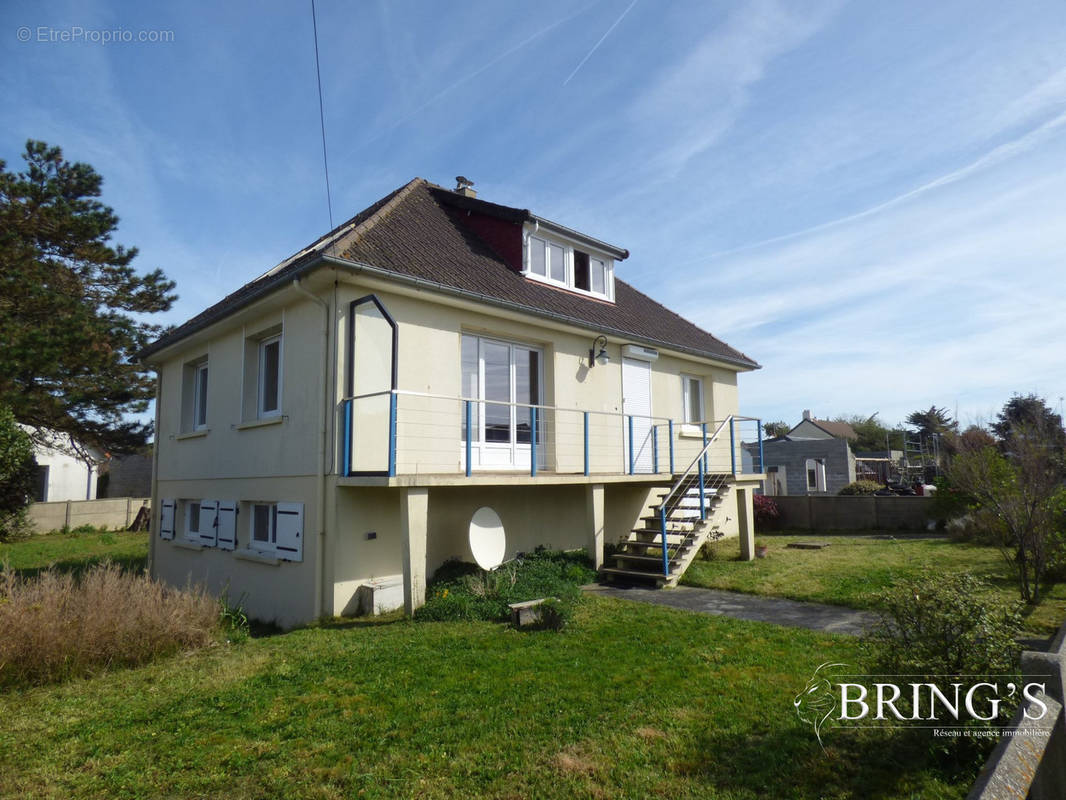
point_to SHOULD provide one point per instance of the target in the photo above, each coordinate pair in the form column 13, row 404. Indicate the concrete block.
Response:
column 380, row 595
column 527, row 613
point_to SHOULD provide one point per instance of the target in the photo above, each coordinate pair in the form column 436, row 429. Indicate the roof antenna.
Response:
column 464, row 186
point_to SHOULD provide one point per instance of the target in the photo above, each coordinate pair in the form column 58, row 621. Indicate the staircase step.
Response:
column 655, row 534
column 655, row 538
column 676, row 550
column 694, row 520
column 634, row 573
column 646, row 559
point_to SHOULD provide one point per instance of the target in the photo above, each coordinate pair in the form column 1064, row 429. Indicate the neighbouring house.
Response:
column 814, row 457
column 126, row 476
column 64, row 471
column 326, row 432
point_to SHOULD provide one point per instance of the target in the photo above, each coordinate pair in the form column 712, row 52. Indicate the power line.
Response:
column 322, row 117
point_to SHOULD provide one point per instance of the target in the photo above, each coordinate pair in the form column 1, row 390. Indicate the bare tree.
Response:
column 1023, row 488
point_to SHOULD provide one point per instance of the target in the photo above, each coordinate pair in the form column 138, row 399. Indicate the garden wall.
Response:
column 818, row 512
column 1030, row 759
column 111, row 513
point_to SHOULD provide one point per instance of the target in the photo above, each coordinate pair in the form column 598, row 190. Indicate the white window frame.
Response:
column 821, row 482
column 201, row 374
column 487, row 454
column 264, row 343
column 686, row 397
column 191, row 534
column 568, row 282
column 271, row 545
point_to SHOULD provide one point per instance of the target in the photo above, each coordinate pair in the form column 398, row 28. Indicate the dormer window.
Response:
column 569, row 267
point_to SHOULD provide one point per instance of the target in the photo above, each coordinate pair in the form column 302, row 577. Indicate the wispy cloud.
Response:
column 600, row 41
column 694, row 102
column 990, row 159
column 440, row 94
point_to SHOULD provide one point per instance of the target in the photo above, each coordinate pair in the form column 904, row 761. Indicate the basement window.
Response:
column 264, row 525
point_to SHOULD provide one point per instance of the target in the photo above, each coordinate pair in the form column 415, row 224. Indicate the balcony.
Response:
column 402, row 438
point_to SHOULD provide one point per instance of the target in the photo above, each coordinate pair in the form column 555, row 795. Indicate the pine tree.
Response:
column 70, row 306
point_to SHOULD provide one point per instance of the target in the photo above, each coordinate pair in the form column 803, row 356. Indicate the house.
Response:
column 330, row 428
column 126, row 476
column 815, row 457
column 64, row 470
column 811, row 428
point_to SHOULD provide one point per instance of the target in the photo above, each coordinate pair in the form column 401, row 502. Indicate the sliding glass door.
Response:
column 506, row 378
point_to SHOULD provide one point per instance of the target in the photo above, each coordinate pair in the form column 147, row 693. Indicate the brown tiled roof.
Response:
column 419, row 233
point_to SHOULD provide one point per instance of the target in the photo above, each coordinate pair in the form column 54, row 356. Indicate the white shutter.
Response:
column 226, row 524
column 208, row 522
column 166, row 519
column 290, row 531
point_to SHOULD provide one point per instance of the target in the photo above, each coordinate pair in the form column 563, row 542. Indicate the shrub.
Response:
column 57, row 626
column 941, row 626
column 18, row 471
column 861, row 487
column 767, row 512
column 461, row 591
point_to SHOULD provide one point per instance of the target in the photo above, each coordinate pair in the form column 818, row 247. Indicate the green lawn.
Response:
column 76, row 550
column 630, row 701
column 853, row 569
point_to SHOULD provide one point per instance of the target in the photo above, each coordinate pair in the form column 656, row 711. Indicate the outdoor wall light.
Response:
column 601, row 357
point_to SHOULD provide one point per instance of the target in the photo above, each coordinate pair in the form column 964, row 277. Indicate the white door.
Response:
column 636, row 404
column 506, row 377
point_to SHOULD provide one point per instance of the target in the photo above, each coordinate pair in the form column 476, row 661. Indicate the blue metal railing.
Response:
column 392, row 434
column 469, row 437
column 562, row 440
column 699, row 464
column 671, row 432
column 632, row 452
column 533, row 442
column 585, row 425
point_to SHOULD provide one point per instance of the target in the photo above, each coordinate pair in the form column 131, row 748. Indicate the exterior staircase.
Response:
column 639, row 558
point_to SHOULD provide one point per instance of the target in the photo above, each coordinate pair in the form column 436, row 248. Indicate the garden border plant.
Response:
column 463, row 591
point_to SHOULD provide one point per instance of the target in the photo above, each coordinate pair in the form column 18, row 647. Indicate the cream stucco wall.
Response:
column 235, row 444
column 429, row 428
column 281, row 592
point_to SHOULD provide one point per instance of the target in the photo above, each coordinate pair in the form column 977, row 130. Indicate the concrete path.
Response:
column 796, row 614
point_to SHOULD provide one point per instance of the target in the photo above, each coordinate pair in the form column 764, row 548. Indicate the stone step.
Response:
column 655, row 538
column 652, row 560
column 633, row 573
column 655, row 522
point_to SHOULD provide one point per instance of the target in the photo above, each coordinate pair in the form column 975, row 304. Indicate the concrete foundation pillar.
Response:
column 594, row 517
column 746, row 523
column 414, row 524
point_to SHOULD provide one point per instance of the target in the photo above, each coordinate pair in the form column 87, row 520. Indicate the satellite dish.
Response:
column 487, row 540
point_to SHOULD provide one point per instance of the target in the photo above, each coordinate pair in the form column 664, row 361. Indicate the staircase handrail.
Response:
column 710, row 440
column 677, row 485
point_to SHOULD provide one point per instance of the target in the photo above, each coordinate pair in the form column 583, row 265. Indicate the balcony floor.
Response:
column 523, row 478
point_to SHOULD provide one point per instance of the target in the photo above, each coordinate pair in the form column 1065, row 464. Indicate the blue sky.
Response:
column 868, row 198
